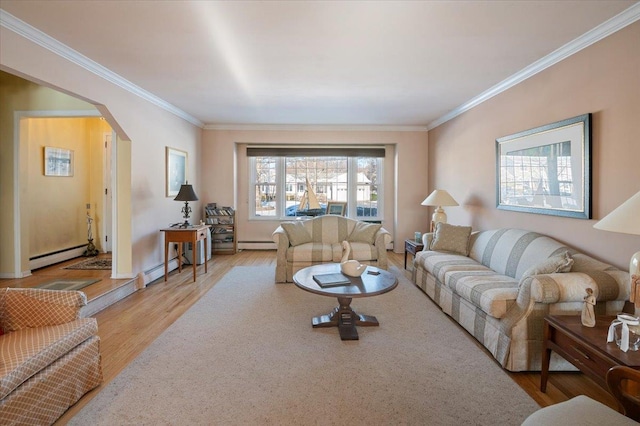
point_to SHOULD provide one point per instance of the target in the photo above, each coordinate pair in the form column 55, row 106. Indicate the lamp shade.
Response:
column 186, row 193
column 439, row 197
column 624, row 219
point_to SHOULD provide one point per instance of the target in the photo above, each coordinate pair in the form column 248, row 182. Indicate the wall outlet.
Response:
column 88, row 206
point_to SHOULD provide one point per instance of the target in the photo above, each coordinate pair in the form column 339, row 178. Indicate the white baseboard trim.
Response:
column 122, row 276
column 10, row 275
column 257, row 245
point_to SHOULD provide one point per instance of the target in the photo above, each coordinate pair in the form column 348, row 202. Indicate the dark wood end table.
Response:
column 584, row 347
column 343, row 317
column 411, row 246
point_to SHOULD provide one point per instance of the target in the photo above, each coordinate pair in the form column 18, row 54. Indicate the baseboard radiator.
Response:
column 56, row 257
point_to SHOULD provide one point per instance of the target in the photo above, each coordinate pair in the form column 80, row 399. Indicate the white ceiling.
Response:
column 360, row 63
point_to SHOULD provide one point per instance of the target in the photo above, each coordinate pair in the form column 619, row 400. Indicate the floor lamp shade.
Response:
column 626, row 219
column 439, row 198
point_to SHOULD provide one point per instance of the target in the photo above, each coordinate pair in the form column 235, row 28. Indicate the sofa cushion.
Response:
column 511, row 252
column 362, row 251
column 364, row 232
column 495, row 294
column 492, row 292
column 557, row 263
column 296, row 232
column 27, row 351
column 451, row 238
column 441, row 263
column 315, row 252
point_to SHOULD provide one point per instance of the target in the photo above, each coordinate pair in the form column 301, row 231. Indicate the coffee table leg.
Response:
column 367, row 321
column 346, row 319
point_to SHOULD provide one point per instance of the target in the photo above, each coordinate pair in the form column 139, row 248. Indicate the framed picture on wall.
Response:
column 58, row 161
column 176, row 164
column 546, row 170
column 337, row 207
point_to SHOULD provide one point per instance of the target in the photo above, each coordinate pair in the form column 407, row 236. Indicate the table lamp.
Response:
column 186, row 194
column 626, row 219
column 439, row 198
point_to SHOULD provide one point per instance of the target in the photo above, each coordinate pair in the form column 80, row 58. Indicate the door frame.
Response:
column 18, row 271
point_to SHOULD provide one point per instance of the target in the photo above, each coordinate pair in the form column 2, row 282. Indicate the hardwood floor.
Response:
column 127, row 327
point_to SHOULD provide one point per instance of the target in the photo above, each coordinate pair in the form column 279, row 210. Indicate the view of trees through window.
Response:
column 302, row 186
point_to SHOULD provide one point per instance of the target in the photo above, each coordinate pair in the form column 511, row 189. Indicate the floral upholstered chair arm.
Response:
column 32, row 307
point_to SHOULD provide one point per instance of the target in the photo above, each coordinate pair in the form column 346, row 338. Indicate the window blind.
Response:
column 315, row 151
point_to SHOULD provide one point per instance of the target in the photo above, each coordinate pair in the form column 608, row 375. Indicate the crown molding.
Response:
column 625, row 18
column 314, row 127
column 592, row 36
column 36, row 36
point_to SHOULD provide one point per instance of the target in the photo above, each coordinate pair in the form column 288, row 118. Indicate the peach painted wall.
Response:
column 603, row 79
column 225, row 175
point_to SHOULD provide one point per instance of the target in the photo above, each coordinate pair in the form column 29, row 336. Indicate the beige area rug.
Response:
column 246, row 354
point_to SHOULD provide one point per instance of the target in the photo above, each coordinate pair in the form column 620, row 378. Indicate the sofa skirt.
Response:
column 45, row 396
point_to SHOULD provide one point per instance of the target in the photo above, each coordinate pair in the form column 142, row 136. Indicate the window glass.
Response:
column 302, row 186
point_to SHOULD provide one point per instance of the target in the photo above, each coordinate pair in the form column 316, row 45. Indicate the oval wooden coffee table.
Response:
column 372, row 282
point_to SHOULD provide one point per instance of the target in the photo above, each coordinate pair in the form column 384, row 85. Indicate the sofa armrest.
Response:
column 571, row 286
column 382, row 238
column 281, row 239
column 427, row 239
column 33, row 307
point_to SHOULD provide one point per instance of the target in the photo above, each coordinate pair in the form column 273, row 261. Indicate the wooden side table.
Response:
column 584, row 347
column 192, row 235
column 411, row 246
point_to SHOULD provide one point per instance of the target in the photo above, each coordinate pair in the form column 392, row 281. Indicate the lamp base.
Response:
column 438, row 216
column 634, row 274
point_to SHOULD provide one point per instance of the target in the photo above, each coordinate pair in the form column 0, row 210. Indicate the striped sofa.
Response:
column 49, row 356
column 326, row 234
column 491, row 295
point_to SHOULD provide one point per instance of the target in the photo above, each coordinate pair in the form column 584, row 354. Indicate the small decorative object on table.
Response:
column 352, row 267
column 635, row 288
column 418, row 237
column 625, row 330
column 588, row 314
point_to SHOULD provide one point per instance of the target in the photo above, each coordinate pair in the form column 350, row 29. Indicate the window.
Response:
column 288, row 185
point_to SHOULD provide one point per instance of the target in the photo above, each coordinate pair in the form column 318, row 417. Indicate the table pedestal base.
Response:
column 346, row 319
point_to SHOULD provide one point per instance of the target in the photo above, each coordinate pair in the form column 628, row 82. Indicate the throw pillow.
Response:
column 451, row 238
column 296, row 232
column 364, row 232
column 558, row 263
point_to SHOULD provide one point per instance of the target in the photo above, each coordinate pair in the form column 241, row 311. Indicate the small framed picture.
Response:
column 176, row 164
column 58, row 161
column 337, row 207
